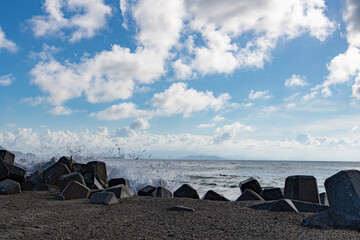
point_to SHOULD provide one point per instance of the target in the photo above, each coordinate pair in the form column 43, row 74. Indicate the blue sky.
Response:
column 262, row 80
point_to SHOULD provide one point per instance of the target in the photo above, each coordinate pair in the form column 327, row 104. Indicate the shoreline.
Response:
column 37, row 215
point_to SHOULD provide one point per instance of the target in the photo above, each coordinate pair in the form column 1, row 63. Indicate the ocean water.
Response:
column 220, row 176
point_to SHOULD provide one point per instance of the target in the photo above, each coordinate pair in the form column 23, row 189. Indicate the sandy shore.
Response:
column 33, row 215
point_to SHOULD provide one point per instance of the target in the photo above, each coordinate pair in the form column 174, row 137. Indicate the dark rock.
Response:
column 9, row 186
column 75, row 190
column 161, row 192
column 301, row 187
column 94, row 191
column 270, row 194
column 89, row 174
column 52, row 174
column 65, row 179
column 7, row 156
column 67, row 161
column 31, row 181
column 9, row 171
column 186, row 191
column 59, row 197
column 214, row 196
column 249, row 195
column 181, row 209
column 263, row 206
column 146, row 191
column 283, row 205
column 106, row 198
column 100, row 170
column 343, row 191
column 250, row 183
column 309, row 207
column 323, row 199
column 120, row 191
column 45, row 187
column 117, row 181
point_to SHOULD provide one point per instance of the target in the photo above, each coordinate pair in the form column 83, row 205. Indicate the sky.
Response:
column 262, row 79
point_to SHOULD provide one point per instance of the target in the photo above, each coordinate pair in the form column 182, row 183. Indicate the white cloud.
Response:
column 5, row 43
column 140, row 123
column 120, row 111
column 61, row 110
column 259, row 95
column 112, row 75
column 218, row 118
column 295, row 80
column 206, row 125
column 6, row 80
column 47, row 53
column 310, row 96
column 178, row 99
column 229, row 132
column 356, row 88
column 86, row 18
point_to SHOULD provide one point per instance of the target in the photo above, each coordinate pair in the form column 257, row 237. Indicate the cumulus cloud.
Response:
column 6, row 80
column 120, row 111
column 178, row 99
column 114, row 74
column 206, row 125
column 61, row 110
column 140, row 123
column 295, row 80
column 218, row 118
column 82, row 18
column 228, row 132
column 5, row 43
column 259, row 95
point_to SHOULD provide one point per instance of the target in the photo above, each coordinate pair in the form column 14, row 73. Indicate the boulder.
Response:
column 249, row 195
column 263, row 206
column 9, row 171
column 9, row 186
column 121, row 191
column 75, row 190
column 181, row 209
column 309, row 207
column 302, row 187
column 117, row 181
column 146, row 191
column 270, row 194
column 100, row 170
column 343, row 191
column 45, row 187
column 67, row 161
column 161, row 192
column 65, row 179
column 214, row 196
column 186, row 191
column 250, row 183
column 59, row 197
column 89, row 174
column 7, row 156
column 283, row 205
column 31, row 181
column 94, row 191
column 106, row 198
column 323, row 199
column 53, row 173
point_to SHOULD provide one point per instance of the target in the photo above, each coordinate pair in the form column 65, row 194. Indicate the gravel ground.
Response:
column 35, row 215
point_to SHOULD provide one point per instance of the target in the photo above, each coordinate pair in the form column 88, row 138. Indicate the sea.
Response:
column 222, row 176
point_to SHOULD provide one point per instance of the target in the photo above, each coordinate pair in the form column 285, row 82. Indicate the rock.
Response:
column 45, row 187
column 303, row 188
column 343, row 191
column 121, row 191
column 106, row 198
column 67, row 161
column 186, row 191
column 9, row 186
column 309, row 207
column 54, row 172
column 249, row 195
column 75, row 190
column 31, row 181
column 65, row 179
column 181, row 209
column 250, row 183
column 89, row 174
column 323, row 199
column 161, row 192
column 270, row 194
column 94, row 191
column 146, row 191
column 263, row 206
column 214, row 196
column 117, row 181
column 283, row 205
column 9, row 171
column 59, row 197
column 100, row 170
column 7, row 156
